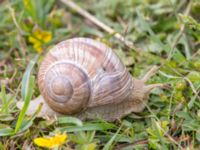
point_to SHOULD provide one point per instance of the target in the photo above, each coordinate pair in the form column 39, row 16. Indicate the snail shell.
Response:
column 81, row 73
column 81, row 76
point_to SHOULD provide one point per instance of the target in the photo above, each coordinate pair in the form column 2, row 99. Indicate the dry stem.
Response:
column 100, row 24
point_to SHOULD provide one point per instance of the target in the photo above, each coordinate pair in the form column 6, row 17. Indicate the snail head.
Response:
column 141, row 90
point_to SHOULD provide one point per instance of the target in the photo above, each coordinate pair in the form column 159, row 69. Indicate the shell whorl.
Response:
column 63, row 80
column 68, row 74
column 65, row 87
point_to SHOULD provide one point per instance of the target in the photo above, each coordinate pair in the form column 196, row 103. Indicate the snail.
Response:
column 85, row 78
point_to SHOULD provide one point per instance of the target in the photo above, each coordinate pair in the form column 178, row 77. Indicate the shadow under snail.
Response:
column 85, row 78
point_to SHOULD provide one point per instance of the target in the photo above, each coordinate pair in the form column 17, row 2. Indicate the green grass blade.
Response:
column 108, row 145
column 6, row 105
column 26, row 103
column 3, row 96
column 70, row 120
column 27, row 123
column 26, row 78
column 88, row 127
column 27, row 91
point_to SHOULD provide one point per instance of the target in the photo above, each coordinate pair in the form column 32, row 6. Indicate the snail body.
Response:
column 85, row 78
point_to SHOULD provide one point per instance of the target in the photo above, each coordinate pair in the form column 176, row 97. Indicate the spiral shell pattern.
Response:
column 81, row 73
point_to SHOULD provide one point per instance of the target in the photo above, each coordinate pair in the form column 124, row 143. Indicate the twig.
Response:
column 132, row 145
column 100, row 24
column 196, row 53
column 20, row 39
column 192, row 87
column 14, row 20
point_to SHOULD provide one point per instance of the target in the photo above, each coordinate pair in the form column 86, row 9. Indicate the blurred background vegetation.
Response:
column 166, row 31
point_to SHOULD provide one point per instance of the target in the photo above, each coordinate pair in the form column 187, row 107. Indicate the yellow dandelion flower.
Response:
column 38, row 38
column 46, row 36
column 37, row 47
column 51, row 142
column 32, row 39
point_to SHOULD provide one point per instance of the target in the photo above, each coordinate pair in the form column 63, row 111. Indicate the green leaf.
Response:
column 6, row 132
column 146, row 27
column 198, row 136
column 178, row 57
column 184, row 115
column 194, row 76
column 82, row 137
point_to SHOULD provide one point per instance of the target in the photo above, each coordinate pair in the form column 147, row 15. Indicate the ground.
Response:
column 164, row 33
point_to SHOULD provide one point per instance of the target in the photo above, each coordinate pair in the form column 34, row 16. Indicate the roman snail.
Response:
column 85, row 78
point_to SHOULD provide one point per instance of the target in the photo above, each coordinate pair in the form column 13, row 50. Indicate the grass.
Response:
column 167, row 32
